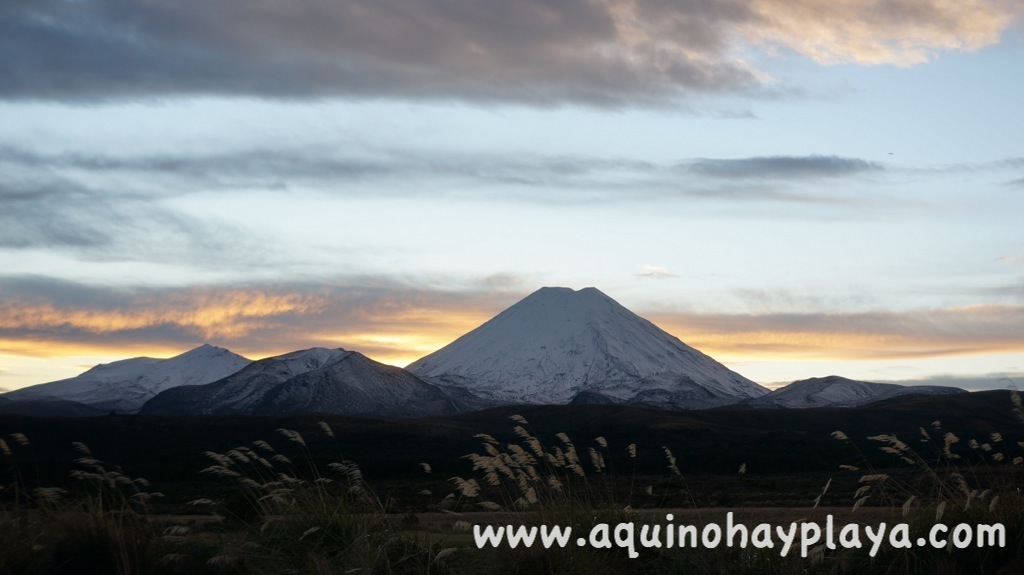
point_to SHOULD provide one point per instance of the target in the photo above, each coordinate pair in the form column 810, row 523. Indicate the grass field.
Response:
column 292, row 495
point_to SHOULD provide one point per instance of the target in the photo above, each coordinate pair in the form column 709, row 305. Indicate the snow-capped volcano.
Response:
column 310, row 381
column 557, row 345
column 835, row 391
column 125, row 385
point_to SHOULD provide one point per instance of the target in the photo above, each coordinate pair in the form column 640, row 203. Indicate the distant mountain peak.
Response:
column 126, row 384
column 558, row 342
column 312, row 380
column 837, row 391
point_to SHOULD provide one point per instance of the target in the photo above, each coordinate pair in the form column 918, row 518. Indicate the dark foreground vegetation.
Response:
column 323, row 494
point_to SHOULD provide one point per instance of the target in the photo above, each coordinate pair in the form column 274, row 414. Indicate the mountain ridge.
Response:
column 317, row 380
column 837, row 391
column 126, row 384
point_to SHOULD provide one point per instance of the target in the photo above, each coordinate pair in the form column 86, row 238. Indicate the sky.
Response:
column 798, row 188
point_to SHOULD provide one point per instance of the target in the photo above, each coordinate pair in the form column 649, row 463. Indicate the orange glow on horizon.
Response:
column 224, row 314
column 397, row 333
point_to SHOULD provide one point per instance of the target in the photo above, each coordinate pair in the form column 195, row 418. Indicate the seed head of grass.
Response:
column 263, row 445
column 221, row 459
column 948, row 440
column 534, row 444
column 596, row 460
column 485, row 437
column 469, row 488
column 48, row 494
column 907, row 505
column 490, row 506
column 521, row 432
column 292, row 435
column 82, row 448
column 671, row 461
column 446, row 552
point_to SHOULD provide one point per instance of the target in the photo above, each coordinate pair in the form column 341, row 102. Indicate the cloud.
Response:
column 875, row 32
column 782, row 167
column 1013, row 260
column 284, row 166
column 100, row 206
column 397, row 321
column 655, row 272
column 1002, row 380
column 384, row 318
column 116, row 223
column 280, row 169
column 597, row 52
column 854, row 335
column 526, row 50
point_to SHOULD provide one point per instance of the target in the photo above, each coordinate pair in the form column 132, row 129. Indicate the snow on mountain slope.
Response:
column 238, row 392
column 312, row 380
column 835, row 391
column 558, row 343
column 357, row 385
column 125, row 385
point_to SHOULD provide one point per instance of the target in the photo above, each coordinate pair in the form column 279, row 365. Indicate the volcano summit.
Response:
column 559, row 345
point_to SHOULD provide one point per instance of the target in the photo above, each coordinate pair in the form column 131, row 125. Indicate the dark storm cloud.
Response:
column 782, row 167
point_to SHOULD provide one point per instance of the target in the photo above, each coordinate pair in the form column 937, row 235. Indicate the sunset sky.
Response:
column 796, row 187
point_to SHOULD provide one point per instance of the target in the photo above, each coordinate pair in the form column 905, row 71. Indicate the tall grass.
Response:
column 296, row 517
column 280, row 511
column 940, row 477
